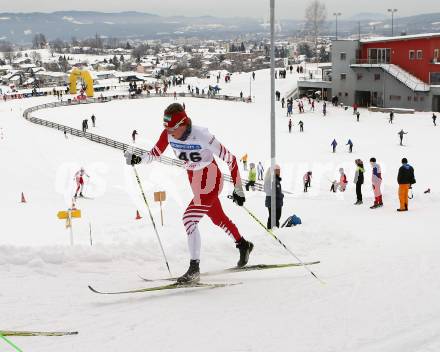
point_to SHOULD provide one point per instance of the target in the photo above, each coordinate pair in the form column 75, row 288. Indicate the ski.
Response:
column 37, row 333
column 172, row 286
column 237, row 269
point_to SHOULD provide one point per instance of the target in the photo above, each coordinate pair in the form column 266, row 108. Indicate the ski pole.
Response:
column 152, row 220
column 90, row 233
column 270, row 232
column 10, row 343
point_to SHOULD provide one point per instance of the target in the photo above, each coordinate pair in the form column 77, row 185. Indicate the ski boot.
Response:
column 404, row 209
column 359, row 202
column 81, row 195
column 192, row 275
column 245, row 248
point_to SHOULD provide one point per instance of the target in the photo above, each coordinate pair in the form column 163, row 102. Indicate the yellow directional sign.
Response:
column 76, row 213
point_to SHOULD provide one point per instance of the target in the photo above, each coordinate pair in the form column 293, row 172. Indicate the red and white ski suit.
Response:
column 80, row 180
column 376, row 180
column 205, row 178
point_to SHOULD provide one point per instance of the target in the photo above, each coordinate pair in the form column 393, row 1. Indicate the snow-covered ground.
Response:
column 380, row 266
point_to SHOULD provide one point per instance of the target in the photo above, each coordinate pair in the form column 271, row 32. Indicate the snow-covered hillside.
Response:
column 380, row 266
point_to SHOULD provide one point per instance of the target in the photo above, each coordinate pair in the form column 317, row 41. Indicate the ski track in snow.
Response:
column 380, row 267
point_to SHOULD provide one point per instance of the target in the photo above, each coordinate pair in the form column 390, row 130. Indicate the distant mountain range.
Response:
column 21, row 27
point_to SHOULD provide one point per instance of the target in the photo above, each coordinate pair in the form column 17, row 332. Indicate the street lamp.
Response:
column 337, row 14
column 392, row 20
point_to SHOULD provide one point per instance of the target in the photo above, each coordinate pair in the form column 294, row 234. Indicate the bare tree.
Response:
column 39, row 41
column 113, row 43
column 139, row 51
column 196, row 62
column 57, row 46
column 5, row 46
column 316, row 14
column 8, row 51
column 36, row 57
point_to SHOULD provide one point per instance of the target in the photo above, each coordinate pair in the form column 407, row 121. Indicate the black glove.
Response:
column 238, row 199
column 135, row 159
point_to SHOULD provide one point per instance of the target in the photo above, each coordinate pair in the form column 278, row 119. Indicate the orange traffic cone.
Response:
column 23, row 200
column 138, row 216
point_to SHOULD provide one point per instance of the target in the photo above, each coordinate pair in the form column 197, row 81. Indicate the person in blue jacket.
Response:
column 334, row 144
column 350, row 146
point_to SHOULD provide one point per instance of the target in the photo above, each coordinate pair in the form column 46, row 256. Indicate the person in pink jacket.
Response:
column 307, row 179
column 376, row 180
column 342, row 180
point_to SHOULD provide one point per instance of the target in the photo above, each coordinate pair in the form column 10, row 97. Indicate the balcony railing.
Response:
column 368, row 62
column 403, row 76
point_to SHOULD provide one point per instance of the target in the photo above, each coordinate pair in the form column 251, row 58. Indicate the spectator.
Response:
column 278, row 195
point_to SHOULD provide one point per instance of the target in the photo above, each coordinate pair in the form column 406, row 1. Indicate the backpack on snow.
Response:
column 292, row 221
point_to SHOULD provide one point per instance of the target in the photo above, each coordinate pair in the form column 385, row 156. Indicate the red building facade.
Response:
column 418, row 54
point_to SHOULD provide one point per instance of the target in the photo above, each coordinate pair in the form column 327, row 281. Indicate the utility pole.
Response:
column 392, row 11
column 272, row 114
column 337, row 14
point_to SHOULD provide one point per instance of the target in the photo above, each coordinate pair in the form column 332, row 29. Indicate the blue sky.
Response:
column 224, row 8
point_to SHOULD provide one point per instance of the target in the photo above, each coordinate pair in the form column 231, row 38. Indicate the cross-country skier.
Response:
column 434, row 117
column 79, row 178
column 334, row 144
column 391, row 117
column 376, row 180
column 196, row 146
column 133, row 135
column 290, row 125
column 350, row 146
column 401, row 133
column 307, row 180
column 260, row 170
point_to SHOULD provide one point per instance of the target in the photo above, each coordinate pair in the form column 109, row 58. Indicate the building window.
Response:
column 359, row 76
column 343, row 76
column 346, row 94
column 416, row 98
column 395, row 97
column 434, row 78
column 379, row 55
column 412, row 55
column 422, row 98
column 377, row 76
column 343, row 56
column 419, row 54
column 436, row 55
column 409, row 97
column 340, row 94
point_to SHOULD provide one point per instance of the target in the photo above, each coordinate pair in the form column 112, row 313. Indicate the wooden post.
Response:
column 160, row 197
column 161, row 213
column 69, row 214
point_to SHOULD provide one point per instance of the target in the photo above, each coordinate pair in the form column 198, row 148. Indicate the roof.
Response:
column 402, row 37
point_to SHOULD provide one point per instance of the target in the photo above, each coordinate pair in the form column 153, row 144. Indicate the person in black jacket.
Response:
column 278, row 195
column 359, row 180
column 405, row 179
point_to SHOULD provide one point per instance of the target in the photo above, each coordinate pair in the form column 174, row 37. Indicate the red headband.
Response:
column 170, row 121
